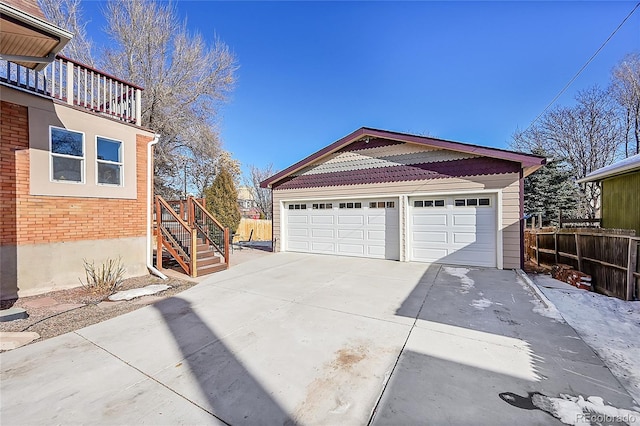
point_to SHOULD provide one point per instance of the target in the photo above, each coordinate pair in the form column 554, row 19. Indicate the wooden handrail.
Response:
column 193, row 203
column 207, row 213
column 163, row 241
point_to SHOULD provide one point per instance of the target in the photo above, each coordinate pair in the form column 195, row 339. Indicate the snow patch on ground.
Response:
column 467, row 283
column 609, row 325
column 138, row 292
column 481, row 303
column 547, row 309
column 575, row 410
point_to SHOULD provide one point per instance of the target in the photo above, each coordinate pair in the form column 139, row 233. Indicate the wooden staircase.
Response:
column 188, row 234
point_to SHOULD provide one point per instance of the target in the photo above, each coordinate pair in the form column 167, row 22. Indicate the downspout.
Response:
column 150, row 266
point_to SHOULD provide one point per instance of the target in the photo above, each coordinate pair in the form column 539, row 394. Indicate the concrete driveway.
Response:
column 309, row 339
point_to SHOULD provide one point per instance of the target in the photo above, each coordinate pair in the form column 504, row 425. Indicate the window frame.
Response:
column 119, row 164
column 73, row 157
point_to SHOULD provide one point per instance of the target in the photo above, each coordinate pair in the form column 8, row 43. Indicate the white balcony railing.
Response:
column 79, row 85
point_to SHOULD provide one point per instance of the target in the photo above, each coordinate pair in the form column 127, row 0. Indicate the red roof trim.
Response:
column 525, row 160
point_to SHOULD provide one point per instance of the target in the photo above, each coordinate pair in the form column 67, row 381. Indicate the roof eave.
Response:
column 609, row 174
column 63, row 36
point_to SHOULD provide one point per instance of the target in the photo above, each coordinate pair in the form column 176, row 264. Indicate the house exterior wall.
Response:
column 621, row 202
column 507, row 185
column 46, row 234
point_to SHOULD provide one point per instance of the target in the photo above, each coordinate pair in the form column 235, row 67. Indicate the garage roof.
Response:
column 627, row 165
column 528, row 162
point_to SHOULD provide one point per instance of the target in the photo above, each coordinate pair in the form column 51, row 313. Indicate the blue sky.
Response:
column 312, row 72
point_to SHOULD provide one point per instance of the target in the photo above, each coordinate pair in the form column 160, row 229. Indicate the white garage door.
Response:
column 459, row 230
column 362, row 228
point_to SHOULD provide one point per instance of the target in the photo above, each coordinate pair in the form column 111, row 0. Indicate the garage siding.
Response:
column 509, row 183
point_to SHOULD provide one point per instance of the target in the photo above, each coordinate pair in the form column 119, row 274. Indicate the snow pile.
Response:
column 467, row 283
column 609, row 325
column 575, row 410
column 137, row 292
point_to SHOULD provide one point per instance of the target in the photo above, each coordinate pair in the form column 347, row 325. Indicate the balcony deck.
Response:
column 79, row 85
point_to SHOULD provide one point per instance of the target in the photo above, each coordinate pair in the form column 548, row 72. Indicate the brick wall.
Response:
column 27, row 219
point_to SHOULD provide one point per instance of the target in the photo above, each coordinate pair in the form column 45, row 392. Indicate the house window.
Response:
column 109, row 161
column 67, row 155
column 297, row 206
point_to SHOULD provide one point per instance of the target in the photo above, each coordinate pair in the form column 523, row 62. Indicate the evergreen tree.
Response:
column 222, row 200
column 550, row 189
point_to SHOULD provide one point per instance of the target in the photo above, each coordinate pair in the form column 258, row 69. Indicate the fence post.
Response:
column 632, row 263
column 537, row 250
column 158, row 235
column 560, row 219
column 578, row 251
column 555, row 244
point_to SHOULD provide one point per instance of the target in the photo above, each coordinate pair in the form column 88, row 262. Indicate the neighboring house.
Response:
column 620, row 193
column 247, row 203
column 389, row 195
column 75, row 163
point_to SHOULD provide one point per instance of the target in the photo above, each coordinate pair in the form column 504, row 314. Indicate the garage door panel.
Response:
column 429, row 253
column 323, row 247
column 322, row 233
column 374, row 235
column 352, row 249
column 435, row 219
column 377, row 220
column 356, row 234
column 464, row 220
column 464, row 237
column 293, row 218
column 322, row 220
column 298, row 232
column 429, row 237
column 350, row 220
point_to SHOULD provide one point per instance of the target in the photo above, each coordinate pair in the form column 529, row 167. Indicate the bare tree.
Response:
column 185, row 81
column 587, row 136
column 261, row 196
column 625, row 86
column 67, row 14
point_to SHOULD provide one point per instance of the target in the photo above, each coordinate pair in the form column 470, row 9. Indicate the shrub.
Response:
column 105, row 278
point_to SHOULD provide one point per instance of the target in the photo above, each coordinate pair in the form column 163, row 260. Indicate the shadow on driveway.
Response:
column 232, row 393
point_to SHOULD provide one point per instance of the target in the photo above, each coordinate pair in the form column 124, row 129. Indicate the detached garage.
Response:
column 404, row 197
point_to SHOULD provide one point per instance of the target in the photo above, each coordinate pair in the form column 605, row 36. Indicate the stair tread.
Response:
column 204, row 270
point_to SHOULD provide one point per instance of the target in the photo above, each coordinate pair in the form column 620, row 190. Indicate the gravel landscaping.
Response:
column 58, row 312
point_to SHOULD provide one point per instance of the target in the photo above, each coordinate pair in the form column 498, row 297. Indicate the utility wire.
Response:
column 564, row 89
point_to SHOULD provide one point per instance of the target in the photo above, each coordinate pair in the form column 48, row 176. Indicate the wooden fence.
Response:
column 261, row 230
column 609, row 256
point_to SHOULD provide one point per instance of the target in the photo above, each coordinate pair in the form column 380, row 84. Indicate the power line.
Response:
column 564, row 89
